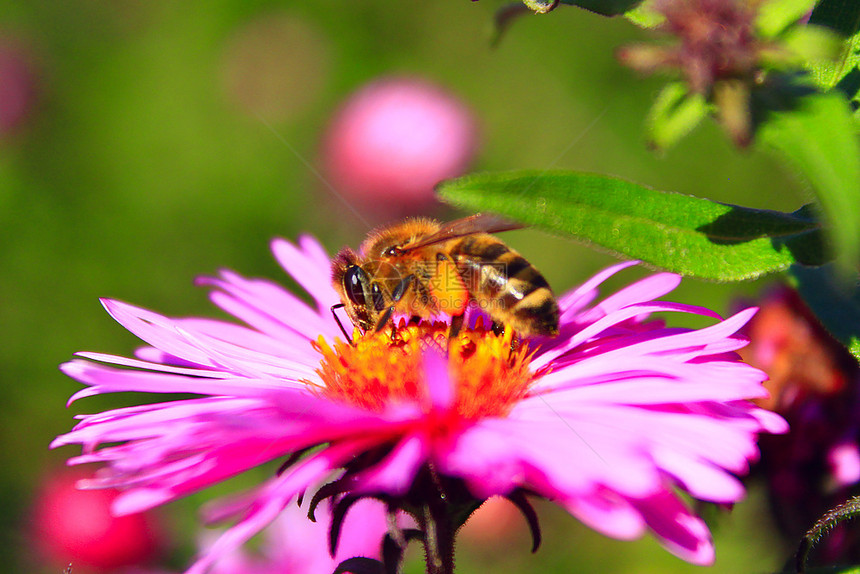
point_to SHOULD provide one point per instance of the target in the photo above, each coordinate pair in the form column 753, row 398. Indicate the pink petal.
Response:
column 277, row 493
column 440, row 387
column 574, row 301
column 644, row 290
column 680, row 531
column 303, row 263
column 395, row 473
column 608, row 513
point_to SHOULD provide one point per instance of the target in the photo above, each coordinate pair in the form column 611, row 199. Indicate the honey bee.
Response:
column 421, row 268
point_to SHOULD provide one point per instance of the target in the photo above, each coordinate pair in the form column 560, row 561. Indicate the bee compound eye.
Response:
column 354, row 281
column 376, row 295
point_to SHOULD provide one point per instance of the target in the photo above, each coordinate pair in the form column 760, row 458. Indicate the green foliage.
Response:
column 776, row 16
column 842, row 73
column 674, row 114
column 842, row 16
column 810, row 46
column 605, row 7
column 541, row 6
column 835, row 304
column 817, row 136
column 685, row 234
column 644, row 15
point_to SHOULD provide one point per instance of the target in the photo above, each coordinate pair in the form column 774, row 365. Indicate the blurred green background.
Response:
column 141, row 166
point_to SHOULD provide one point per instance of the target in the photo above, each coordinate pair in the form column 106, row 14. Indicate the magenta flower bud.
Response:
column 393, row 140
column 844, row 462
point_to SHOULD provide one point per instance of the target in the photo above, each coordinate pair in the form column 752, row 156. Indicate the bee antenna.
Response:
column 337, row 320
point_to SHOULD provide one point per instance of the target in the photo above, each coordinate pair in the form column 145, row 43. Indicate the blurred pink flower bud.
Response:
column 76, row 526
column 18, row 85
column 844, row 462
column 393, row 140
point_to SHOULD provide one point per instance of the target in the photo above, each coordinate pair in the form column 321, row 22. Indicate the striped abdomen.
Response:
column 505, row 285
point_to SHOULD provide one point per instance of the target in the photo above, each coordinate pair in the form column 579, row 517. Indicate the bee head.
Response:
column 361, row 296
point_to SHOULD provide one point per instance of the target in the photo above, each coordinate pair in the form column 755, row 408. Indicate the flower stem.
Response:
column 438, row 537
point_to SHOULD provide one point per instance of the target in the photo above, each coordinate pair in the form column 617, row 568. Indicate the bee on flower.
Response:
column 609, row 418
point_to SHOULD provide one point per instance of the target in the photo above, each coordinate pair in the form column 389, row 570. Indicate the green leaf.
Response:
column 685, row 234
column 816, row 135
column 540, row 6
column 776, row 15
column 675, row 112
column 837, row 72
column 815, row 45
column 840, row 15
column 834, row 303
column 604, row 7
column 645, row 15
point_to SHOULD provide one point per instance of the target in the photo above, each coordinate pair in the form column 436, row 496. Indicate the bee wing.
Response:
column 478, row 223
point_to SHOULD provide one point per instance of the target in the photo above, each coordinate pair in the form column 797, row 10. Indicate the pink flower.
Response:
column 292, row 544
column 608, row 419
column 296, row 545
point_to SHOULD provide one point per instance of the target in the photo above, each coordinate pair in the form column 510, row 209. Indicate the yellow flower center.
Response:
column 489, row 372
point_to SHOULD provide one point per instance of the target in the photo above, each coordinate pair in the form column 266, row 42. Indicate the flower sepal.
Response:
column 439, row 506
column 360, row 565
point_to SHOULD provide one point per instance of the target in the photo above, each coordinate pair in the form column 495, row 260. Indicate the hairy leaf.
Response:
column 843, row 73
column 817, row 136
column 688, row 235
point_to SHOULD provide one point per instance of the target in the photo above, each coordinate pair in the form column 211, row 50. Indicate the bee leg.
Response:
column 454, row 330
column 339, row 324
column 456, row 325
column 396, row 296
column 401, row 288
column 384, row 319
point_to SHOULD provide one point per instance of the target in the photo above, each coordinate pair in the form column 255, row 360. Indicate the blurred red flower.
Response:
column 76, row 526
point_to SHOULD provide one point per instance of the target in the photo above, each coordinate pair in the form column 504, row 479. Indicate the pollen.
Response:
column 490, row 372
